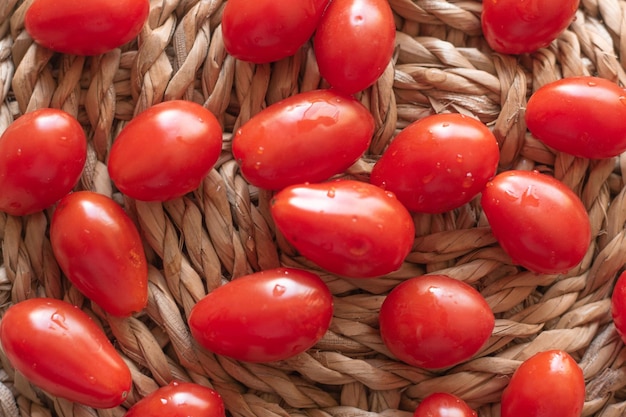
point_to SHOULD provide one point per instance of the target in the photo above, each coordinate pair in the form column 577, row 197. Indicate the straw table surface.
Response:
column 223, row 229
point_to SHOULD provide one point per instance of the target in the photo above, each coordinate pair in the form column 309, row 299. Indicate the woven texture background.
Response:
column 223, row 229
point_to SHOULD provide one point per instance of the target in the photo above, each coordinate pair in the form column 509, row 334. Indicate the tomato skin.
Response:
column 618, row 306
column 537, row 220
column 263, row 317
column 438, row 163
column 42, row 155
column 434, row 321
column 308, row 137
column 443, row 404
column 581, row 116
column 354, row 43
column 347, row 227
column 85, row 28
column 179, row 399
column 165, row 151
column 57, row 347
column 99, row 249
column 547, row 384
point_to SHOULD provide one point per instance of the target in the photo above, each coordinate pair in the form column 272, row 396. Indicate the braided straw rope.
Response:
column 224, row 230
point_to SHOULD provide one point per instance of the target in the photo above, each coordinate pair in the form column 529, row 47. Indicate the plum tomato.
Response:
column 165, row 151
column 179, row 399
column 100, row 251
column 85, row 27
column 347, row 227
column 435, row 321
column 262, row 31
column 581, row 116
column 265, row 316
column 60, row 349
column 548, row 384
column 443, row 404
column 438, row 163
column 538, row 221
column 354, row 43
column 308, row 137
column 517, row 27
column 618, row 305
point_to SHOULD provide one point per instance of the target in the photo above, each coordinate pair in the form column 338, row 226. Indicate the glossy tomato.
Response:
column 438, row 163
column 263, row 31
column 165, row 151
column 42, row 155
column 85, row 27
column 354, row 43
column 618, row 306
column 582, row 116
column 347, row 227
column 516, row 27
column 57, row 347
column 179, row 399
column 442, row 404
column 308, row 137
column 100, row 251
column 266, row 316
column 547, row 384
column 434, row 321
column 537, row 220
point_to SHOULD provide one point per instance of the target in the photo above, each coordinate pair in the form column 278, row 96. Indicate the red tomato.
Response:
column 349, row 228
column 354, row 43
column 263, row 31
column 434, row 321
column 618, row 306
column 99, row 249
column 85, row 27
column 263, row 317
column 57, row 347
column 582, row 116
column 546, row 385
column 537, row 220
column 517, row 27
column 441, row 404
column 438, row 163
column 166, row 151
column 308, row 137
column 42, row 155
column 179, row 399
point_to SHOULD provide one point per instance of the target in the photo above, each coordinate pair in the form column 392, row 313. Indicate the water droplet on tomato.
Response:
column 279, row 290
column 511, row 194
column 59, row 319
column 530, row 197
column 427, row 178
column 592, row 83
column 164, row 401
column 468, row 181
column 355, row 219
column 19, row 152
column 257, row 165
column 260, row 150
column 63, row 138
column 331, row 193
column 446, row 124
column 459, row 158
column 622, row 100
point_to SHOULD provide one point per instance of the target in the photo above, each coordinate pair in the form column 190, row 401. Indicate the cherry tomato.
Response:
column 347, row 227
column 354, row 43
column 85, row 27
column 438, row 163
column 179, row 399
column 618, row 306
column 57, row 347
column 165, row 151
column 434, row 321
column 308, row 137
column 537, row 220
column 547, row 384
column 581, row 116
column 517, row 27
column 42, row 155
column 99, row 249
column 263, row 31
column 263, row 317
column 442, row 404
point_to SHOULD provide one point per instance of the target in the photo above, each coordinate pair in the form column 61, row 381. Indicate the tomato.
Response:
column 547, row 384
column 517, row 27
column 434, row 321
column 354, row 43
column 581, row 116
column 85, row 27
column 347, row 227
column 57, row 347
column 442, row 404
column 42, row 155
column 179, row 399
column 100, row 251
column 263, row 317
column 165, row 151
column 537, row 220
column 308, row 137
column 618, row 306
column 438, row 163
column 263, row 31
